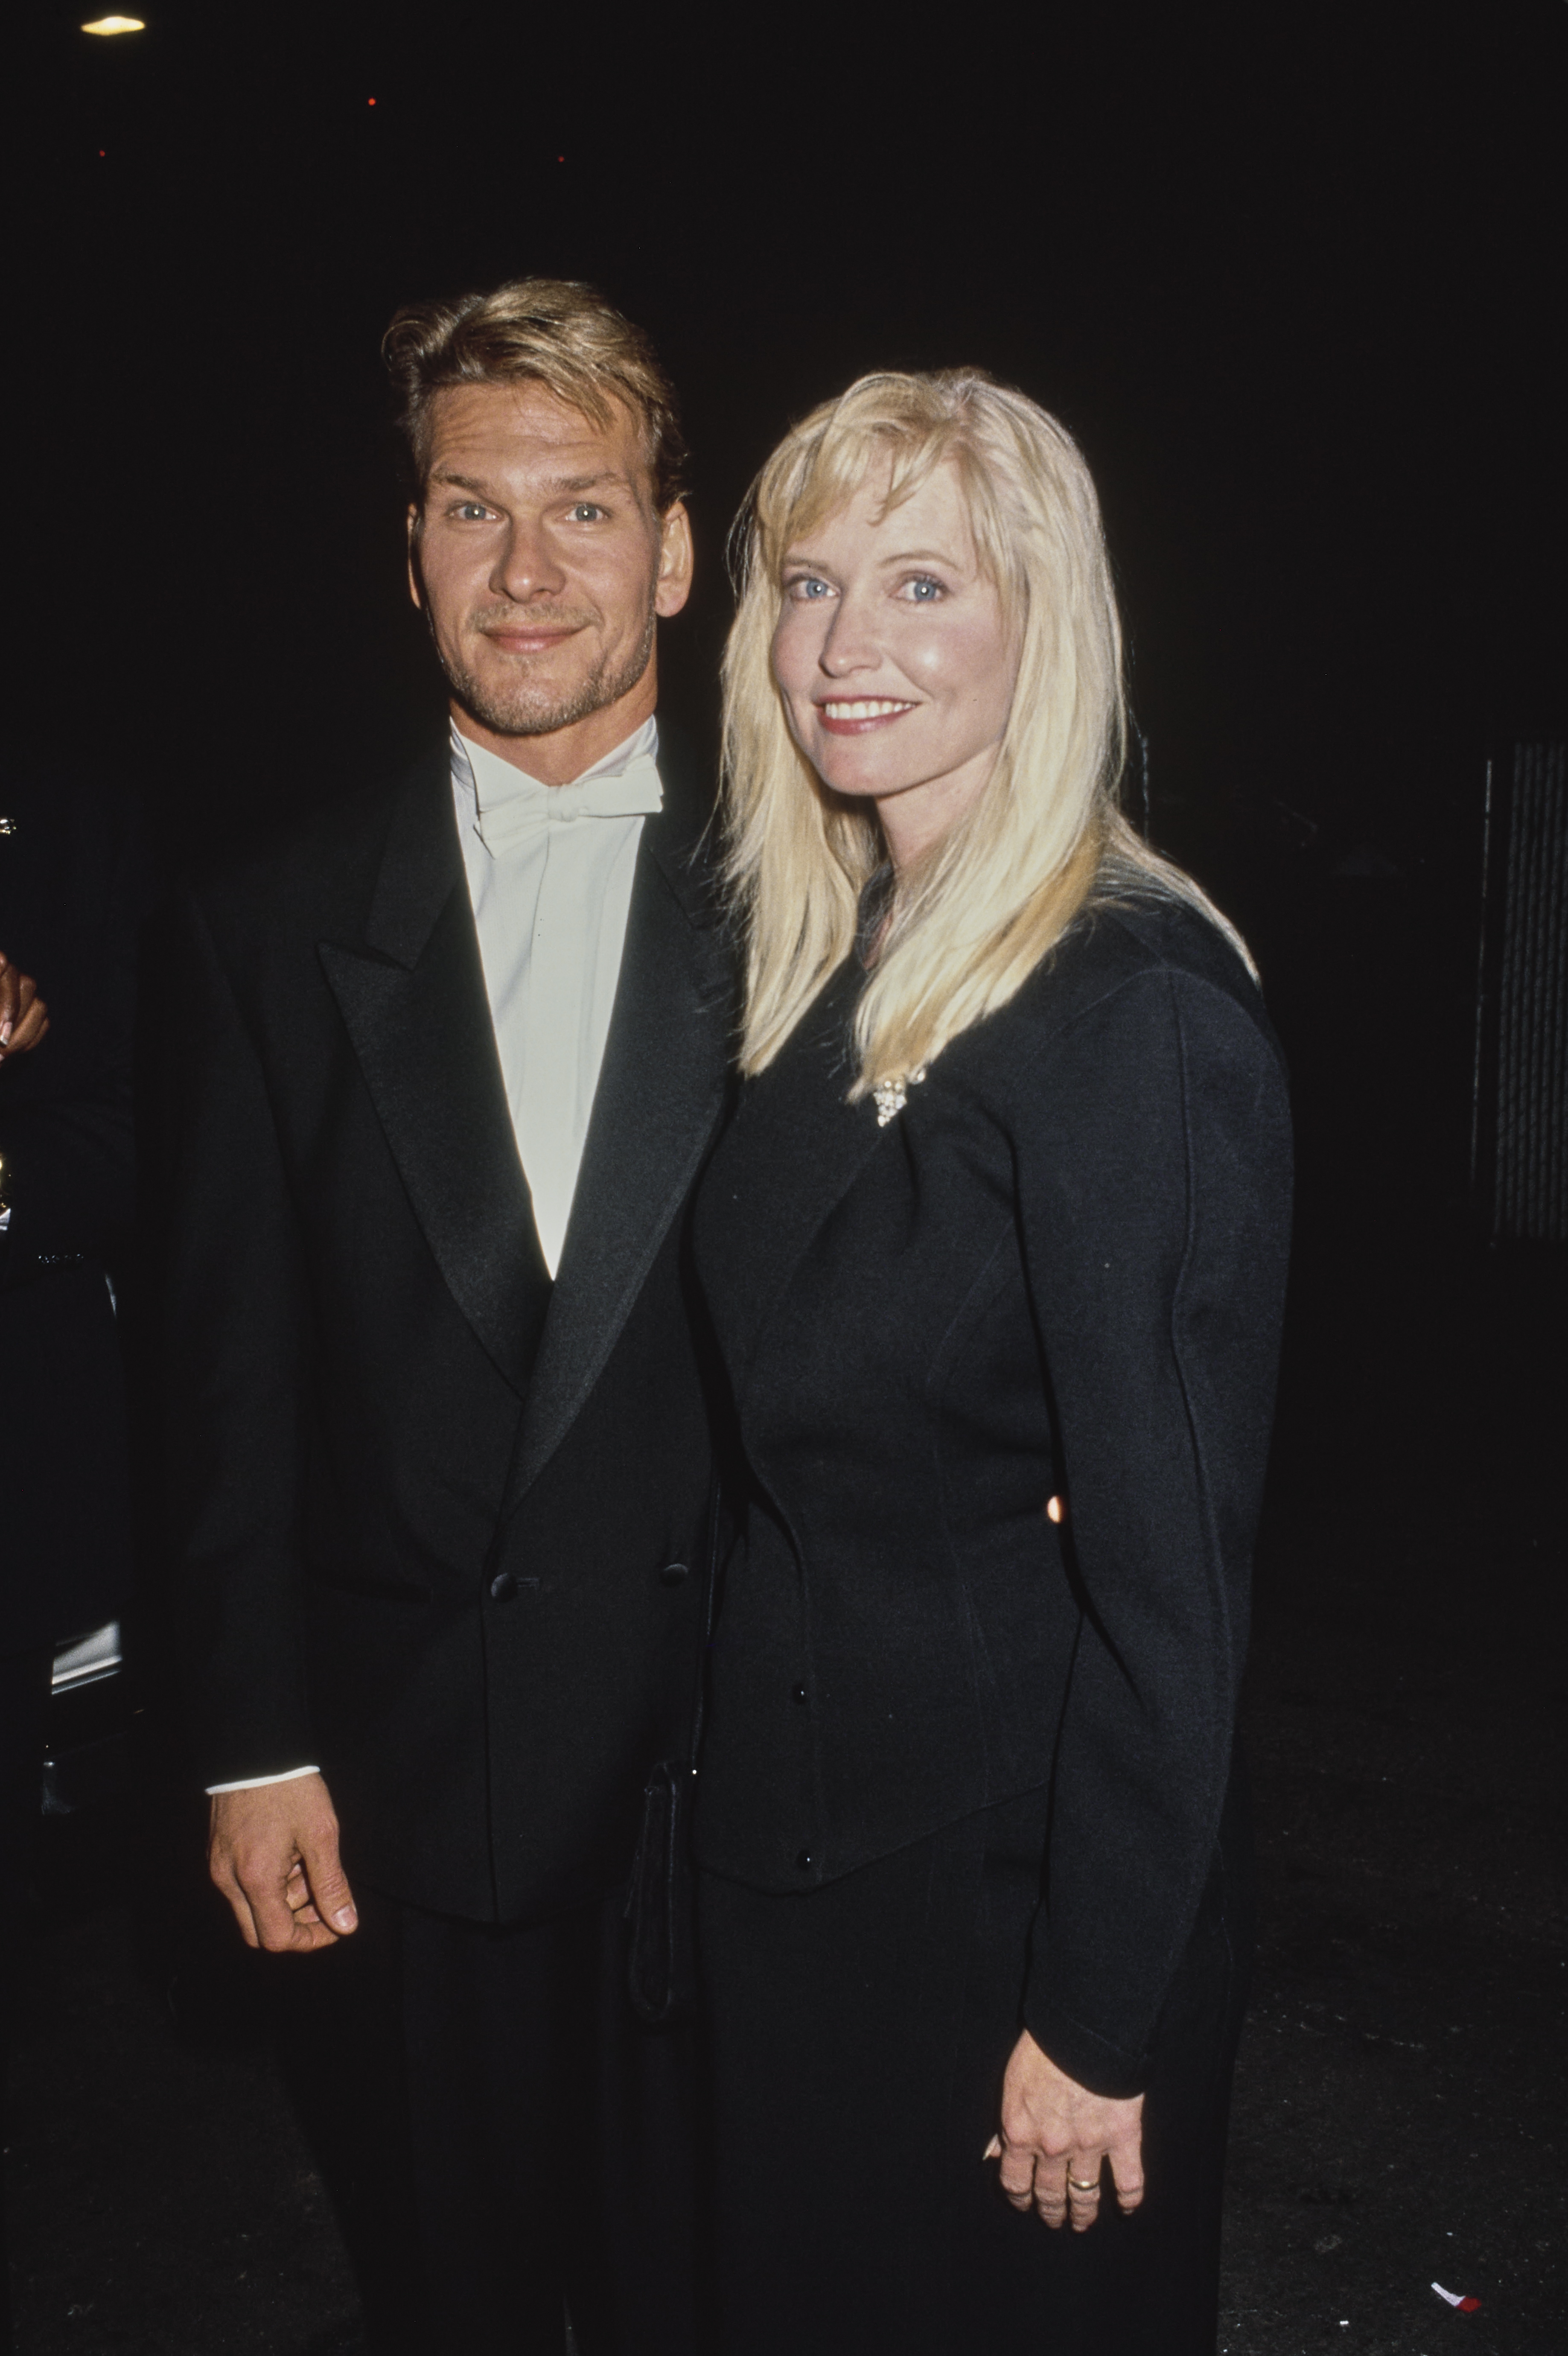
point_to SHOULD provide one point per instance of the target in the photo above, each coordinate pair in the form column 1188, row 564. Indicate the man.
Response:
column 452, row 1055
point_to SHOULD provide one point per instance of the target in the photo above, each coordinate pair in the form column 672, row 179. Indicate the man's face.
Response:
column 540, row 561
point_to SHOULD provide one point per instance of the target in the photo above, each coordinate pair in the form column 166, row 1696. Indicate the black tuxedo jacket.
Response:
column 1060, row 1269
column 73, row 895
column 440, row 1520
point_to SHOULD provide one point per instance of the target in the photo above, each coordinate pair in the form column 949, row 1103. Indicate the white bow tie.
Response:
column 519, row 813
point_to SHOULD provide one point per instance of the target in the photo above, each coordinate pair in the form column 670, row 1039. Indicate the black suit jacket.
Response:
column 73, row 894
column 1058, row 1270
column 440, row 1519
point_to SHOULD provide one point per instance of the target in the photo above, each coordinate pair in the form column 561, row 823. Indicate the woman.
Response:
column 994, row 1251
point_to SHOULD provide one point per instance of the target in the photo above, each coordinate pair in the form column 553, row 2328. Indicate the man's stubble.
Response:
column 528, row 710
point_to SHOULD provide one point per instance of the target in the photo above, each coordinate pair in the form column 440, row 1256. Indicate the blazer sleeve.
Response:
column 236, row 1358
column 1154, row 1173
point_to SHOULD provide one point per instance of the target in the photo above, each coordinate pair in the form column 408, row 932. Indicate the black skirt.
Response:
column 857, row 2038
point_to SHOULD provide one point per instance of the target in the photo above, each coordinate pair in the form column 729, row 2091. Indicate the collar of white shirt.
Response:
column 510, row 807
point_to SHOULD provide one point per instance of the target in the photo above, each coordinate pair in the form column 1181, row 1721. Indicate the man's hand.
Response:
column 1057, row 2137
column 24, row 1017
column 272, row 1851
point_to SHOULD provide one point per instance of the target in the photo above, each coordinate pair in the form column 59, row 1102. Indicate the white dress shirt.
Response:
column 550, row 873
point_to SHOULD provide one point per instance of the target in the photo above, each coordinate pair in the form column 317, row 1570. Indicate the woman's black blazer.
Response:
column 1059, row 1270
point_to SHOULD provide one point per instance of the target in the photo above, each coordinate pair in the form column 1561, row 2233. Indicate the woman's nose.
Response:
column 849, row 646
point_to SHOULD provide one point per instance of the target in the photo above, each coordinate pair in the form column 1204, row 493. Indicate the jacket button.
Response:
column 806, row 1861
column 673, row 1573
column 503, row 1587
column 798, row 1693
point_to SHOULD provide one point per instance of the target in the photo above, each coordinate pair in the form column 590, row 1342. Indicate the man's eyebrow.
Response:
column 572, row 483
column 459, row 482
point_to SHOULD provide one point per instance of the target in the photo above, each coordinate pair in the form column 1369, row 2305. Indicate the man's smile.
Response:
column 531, row 639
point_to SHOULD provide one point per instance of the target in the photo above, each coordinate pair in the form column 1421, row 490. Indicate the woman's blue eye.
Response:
column 812, row 588
column 924, row 591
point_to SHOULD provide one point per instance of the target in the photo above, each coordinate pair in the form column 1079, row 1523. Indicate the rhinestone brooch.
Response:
column 891, row 1097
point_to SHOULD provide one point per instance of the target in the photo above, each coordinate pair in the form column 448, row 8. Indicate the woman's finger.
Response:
column 1083, row 2187
column 1050, row 2190
column 31, row 1028
column 24, row 1017
column 1016, row 2174
column 1127, row 2172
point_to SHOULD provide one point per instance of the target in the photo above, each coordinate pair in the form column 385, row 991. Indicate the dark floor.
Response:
column 1404, row 2086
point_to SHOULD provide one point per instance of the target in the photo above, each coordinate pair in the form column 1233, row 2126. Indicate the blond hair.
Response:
column 555, row 332
column 1044, row 839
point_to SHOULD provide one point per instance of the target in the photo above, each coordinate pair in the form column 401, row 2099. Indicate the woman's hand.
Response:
column 1056, row 2137
column 24, row 1017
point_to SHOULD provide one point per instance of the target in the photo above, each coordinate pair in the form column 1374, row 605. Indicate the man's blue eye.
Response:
column 585, row 512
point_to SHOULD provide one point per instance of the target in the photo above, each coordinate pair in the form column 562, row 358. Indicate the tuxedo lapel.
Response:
column 660, row 1093
column 413, row 1002
column 790, row 1155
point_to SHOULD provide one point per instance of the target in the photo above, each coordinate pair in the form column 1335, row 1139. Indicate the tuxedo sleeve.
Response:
column 236, row 1325
column 1154, row 1169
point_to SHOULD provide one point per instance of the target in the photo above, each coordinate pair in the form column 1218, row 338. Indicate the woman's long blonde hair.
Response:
column 1043, row 838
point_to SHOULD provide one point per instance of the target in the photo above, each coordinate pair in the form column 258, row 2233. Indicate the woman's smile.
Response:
column 856, row 719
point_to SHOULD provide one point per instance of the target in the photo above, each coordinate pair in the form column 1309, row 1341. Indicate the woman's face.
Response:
column 894, row 659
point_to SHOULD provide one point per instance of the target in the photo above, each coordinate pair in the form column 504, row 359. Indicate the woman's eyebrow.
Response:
column 903, row 556
column 922, row 556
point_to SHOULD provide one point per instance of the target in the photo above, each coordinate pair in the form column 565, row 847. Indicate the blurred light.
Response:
column 115, row 25
column 370, row 101
column 88, row 1659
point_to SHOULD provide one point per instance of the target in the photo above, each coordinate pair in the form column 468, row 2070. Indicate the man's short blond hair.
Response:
column 551, row 331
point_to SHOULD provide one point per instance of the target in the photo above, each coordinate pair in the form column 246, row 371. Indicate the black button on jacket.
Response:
column 1061, row 1268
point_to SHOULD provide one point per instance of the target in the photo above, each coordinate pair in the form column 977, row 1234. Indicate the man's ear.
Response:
column 674, row 586
column 415, row 590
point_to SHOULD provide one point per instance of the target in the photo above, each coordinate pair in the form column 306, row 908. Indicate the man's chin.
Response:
column 511, row 703
column 538, row 711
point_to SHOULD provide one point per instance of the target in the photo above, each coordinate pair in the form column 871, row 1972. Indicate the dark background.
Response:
column 1294, row 278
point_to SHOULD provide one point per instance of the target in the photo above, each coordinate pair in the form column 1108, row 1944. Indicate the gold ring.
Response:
column 1076, row 2184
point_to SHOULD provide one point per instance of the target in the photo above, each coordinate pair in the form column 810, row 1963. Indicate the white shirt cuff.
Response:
column 258, row 1783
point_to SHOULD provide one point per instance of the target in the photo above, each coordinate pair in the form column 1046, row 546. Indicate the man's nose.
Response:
column 528, row 565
